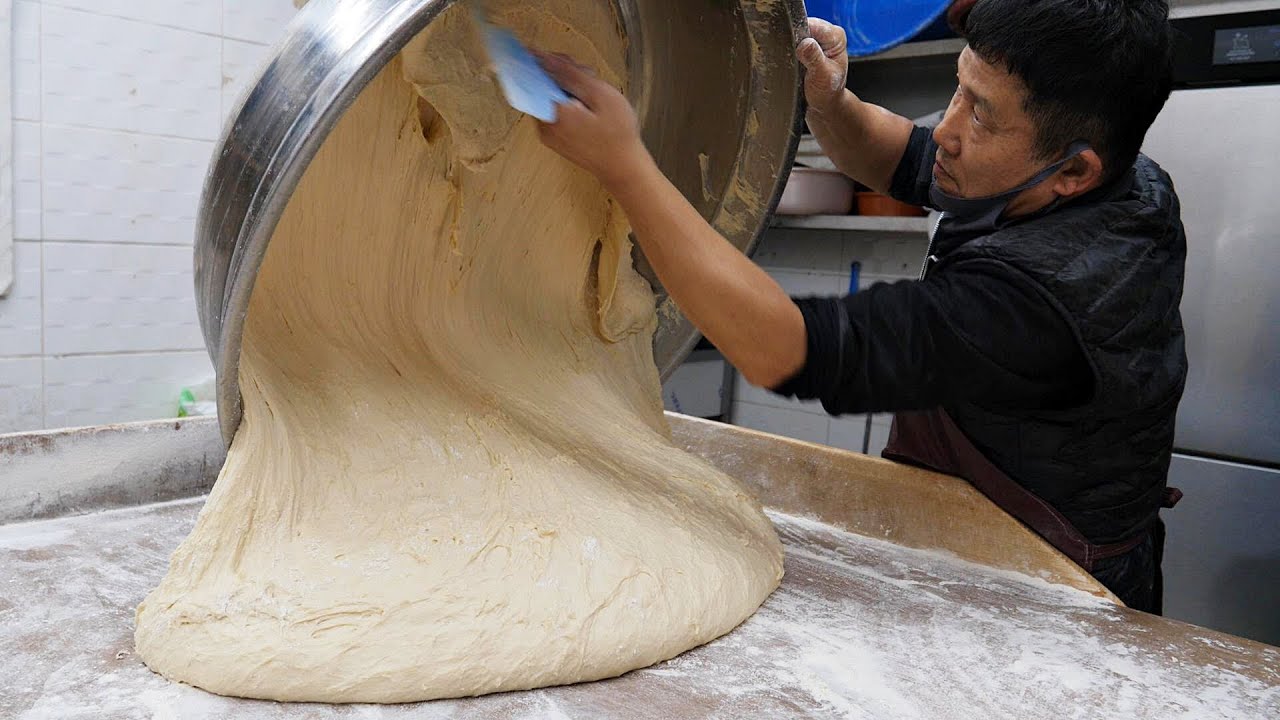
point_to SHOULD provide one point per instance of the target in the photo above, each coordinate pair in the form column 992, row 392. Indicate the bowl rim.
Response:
column 331, row 50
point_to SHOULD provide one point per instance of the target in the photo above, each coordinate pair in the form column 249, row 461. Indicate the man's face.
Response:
column 986, row 140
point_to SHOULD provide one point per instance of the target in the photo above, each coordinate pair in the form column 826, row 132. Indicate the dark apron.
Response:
column 931, row 439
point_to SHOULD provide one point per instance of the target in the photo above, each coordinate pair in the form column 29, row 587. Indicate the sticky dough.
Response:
column 453, row 475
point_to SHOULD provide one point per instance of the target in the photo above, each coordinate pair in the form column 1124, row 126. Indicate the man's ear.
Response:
column 1081, row 174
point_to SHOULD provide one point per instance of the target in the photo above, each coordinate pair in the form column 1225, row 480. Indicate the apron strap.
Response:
column 931, row 439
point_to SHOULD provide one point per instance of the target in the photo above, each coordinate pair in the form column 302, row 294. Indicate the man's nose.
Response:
column 945, row 134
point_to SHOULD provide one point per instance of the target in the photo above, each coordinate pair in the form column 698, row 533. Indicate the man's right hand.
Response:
column 597, row 129
column 825, row 56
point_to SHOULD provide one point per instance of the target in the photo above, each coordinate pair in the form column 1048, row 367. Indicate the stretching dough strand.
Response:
column 453, row 475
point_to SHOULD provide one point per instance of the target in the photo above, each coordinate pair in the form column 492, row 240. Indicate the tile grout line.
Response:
column 40, row 62
column 104, row 353
column 123, row 243
column 44, row 401
column 139, row 133
column 222, row 65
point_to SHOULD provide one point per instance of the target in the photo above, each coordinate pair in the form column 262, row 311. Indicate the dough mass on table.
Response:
column 453, row 475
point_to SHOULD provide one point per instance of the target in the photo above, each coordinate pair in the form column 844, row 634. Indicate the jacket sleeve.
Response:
column 977, row 332
column 914, row 175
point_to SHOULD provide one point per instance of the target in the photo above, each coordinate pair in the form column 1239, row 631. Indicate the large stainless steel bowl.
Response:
column 715, row 83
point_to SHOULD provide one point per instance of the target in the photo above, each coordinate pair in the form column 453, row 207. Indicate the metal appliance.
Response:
column 1219, row 138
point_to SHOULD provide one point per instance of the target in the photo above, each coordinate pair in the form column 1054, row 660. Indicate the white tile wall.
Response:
column 199, row 15
column 26, row 60
column 117, row 104
column 695, row 389
column 807, row 250
column 799, row 425
column 26, row 180
column 6, row 149
column 847, row 432
column 260, row 21
column 240, row 63
column 813, row 282
column 20, row 317
column 121, row 187
column 21, row 388
column 115, row 74
column 887, row 258
column 96, row 389
column 118, row 298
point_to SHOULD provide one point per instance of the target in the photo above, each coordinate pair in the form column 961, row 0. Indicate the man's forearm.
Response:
column 865, row 141
column 728, row 297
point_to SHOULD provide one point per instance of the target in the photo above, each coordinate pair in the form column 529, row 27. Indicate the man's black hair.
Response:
column 1095, row 70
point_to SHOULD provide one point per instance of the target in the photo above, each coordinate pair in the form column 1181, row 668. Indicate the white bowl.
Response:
column 816, row 192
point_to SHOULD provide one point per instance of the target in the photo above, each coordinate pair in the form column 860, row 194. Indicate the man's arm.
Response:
column 729, row 298
column 865, row 141
column 979, row 332
column 740, row 309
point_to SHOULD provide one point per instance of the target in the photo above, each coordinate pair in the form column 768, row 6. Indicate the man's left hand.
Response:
column 825, row 56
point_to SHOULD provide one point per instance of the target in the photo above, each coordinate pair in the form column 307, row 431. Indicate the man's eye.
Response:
column 977, row 120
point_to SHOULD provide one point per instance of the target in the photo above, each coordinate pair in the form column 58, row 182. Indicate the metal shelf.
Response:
column 928, row 48
column 855, row 223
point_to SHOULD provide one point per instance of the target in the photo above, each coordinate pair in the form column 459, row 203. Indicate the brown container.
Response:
column 873, row 203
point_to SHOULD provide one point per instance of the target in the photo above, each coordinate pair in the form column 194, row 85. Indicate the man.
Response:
column 1041, row 354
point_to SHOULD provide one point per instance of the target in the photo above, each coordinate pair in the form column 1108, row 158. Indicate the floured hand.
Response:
column 825, row 56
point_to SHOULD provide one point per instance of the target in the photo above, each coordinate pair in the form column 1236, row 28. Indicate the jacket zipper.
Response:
column 929, row 257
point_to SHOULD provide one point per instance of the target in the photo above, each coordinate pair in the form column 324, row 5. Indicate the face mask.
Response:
column 985, row 212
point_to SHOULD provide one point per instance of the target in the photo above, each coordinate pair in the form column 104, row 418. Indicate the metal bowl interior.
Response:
column 715, row 83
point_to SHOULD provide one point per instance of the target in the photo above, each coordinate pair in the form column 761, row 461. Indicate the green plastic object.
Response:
column 198, row 400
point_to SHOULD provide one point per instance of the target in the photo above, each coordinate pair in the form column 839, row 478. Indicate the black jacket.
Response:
column 1055, row 343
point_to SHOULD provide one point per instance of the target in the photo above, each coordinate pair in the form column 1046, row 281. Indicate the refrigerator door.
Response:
column 1222, row 550
column 1220, row 147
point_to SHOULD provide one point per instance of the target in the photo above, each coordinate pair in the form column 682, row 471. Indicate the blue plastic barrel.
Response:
column 876, row 25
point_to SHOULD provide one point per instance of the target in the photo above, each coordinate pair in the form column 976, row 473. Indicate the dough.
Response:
column 453, row 475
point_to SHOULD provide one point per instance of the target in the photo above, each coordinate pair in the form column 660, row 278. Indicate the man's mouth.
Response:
column 941, row 173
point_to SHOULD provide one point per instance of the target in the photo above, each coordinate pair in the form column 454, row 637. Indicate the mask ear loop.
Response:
column 1074, row 150
column 986, row 213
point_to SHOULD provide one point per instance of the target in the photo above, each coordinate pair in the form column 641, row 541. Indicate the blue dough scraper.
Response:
column 527, row 87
